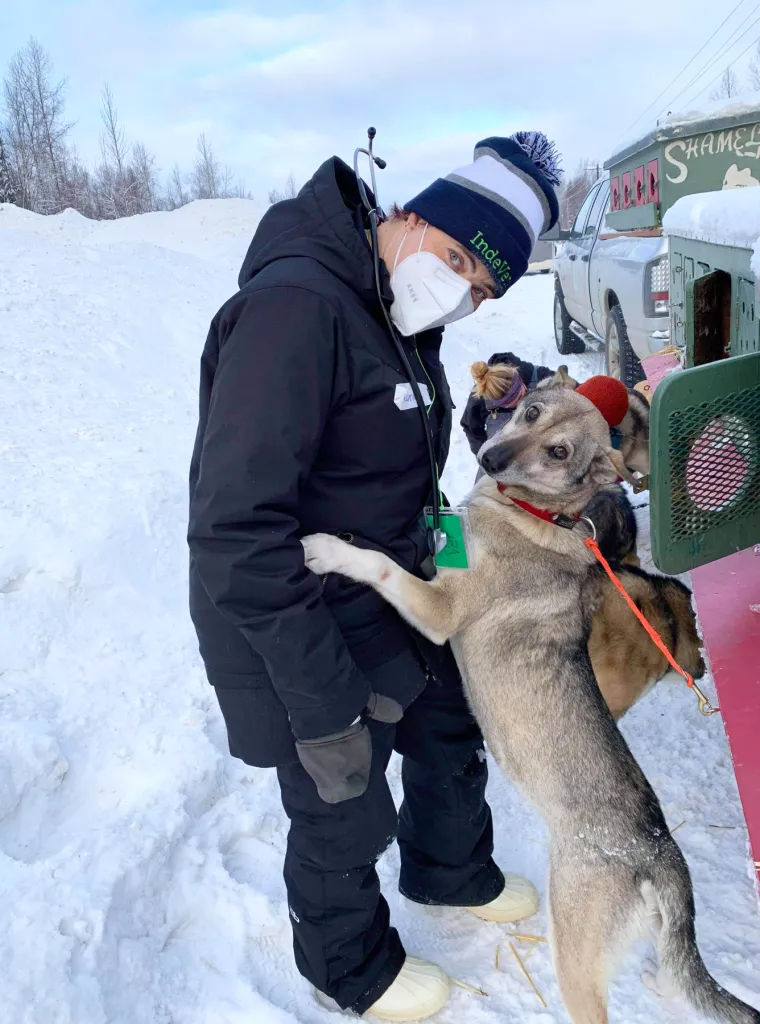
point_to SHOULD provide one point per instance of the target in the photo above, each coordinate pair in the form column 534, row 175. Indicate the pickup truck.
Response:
column 612, row 274
column 611, row 290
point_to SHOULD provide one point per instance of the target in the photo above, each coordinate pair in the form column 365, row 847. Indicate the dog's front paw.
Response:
column 324, row 553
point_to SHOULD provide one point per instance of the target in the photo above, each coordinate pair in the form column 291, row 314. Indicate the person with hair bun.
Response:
column 499, row 385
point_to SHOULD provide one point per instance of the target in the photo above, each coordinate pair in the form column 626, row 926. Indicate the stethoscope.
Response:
column 375, row 216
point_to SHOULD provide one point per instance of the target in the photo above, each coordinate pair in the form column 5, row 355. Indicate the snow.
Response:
column 729, row 217
column 737, row 106
column 140, row 865
column 681, row 122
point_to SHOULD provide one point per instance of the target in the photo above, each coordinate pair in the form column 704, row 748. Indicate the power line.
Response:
column 725, row 69
column 722, row 51
column 703, row 47
column 730, row 43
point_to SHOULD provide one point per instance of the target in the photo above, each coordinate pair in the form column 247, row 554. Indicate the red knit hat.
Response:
column 609, row 395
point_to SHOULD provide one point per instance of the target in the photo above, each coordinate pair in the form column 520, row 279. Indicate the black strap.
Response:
column 412, row 378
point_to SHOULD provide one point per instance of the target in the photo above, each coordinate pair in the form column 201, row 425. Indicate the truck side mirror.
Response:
column 557, row 234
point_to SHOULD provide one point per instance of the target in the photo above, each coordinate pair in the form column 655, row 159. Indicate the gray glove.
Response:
column 340, row 763
column 384, row 709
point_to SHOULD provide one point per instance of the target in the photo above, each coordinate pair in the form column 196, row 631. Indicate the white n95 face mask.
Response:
column 427, row 293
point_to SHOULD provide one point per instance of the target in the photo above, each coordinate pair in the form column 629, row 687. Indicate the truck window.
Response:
column 580, row 220
column 601, row 203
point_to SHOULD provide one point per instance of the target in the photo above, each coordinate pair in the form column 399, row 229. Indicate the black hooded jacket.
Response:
column 306, row 426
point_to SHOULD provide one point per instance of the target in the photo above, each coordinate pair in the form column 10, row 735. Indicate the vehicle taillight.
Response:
column 658, row 288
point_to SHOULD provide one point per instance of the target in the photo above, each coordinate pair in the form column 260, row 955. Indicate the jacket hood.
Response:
column 325, row 222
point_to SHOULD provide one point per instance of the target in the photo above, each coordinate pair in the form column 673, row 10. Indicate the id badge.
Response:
column 452, row 545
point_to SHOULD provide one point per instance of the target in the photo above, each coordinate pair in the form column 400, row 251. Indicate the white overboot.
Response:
column 419, row 990
column 517, row 901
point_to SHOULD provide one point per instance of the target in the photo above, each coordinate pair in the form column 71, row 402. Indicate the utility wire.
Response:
column 725, row 69
column 723, row 50
column 703, row 47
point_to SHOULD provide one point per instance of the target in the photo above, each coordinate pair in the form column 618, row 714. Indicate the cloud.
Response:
column 277, row 89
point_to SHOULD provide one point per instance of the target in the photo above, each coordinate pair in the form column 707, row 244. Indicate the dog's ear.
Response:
column 608, row 466
column 561, row 379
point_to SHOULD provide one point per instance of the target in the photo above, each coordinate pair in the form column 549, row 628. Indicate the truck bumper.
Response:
column 651, row 337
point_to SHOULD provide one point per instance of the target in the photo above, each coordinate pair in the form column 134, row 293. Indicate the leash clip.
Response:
column 705, row 707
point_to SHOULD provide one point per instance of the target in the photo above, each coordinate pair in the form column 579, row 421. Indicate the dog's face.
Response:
column 556, row 448
column 635, row 427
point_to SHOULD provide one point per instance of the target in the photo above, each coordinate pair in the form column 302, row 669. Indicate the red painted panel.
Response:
column 727, row 594
column 615, row 189
column 653, row 181
column 639, row 186
column 627, row 191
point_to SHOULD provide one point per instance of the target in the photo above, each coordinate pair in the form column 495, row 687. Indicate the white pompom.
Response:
column 542, row 152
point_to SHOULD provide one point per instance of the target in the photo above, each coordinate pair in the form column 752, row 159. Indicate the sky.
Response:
column 278, row 87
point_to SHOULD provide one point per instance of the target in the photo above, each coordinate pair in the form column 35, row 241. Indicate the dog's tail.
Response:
column 678, row 946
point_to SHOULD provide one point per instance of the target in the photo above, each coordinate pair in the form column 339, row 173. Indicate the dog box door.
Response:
column 705, row 474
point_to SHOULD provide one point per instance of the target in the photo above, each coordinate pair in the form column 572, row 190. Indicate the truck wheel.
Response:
column 621, row 361
column 568, row 344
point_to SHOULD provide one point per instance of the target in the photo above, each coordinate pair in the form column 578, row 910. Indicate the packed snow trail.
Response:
column 140, row 866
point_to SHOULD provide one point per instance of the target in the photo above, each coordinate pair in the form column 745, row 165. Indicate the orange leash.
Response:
column 705, row 706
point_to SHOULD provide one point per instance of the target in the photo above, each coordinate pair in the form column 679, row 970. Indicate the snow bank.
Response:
column 140, row 866
column 681, row 121
column 730, row 217
column 737, row 106
column 211, row 229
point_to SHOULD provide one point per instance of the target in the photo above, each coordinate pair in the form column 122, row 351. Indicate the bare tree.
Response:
column 754, row 70
column 175, row 194
column 290, row 191
column 7, row 188
column 79, row 191
column 20, row 125
column 144, row 169
column 125, row 181
column 575, row 191
column 208, row 179
column 727, row 87
column 35, row 129
column 40, row 170
column 115, row 184
column 112, row 145
column 50, row 103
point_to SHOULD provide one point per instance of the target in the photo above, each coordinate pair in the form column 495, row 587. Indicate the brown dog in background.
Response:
column 625, row 661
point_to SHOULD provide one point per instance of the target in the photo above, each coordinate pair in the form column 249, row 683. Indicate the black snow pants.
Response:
column 343, row 941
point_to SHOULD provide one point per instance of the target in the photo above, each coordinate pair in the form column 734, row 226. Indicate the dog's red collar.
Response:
column 557, row 518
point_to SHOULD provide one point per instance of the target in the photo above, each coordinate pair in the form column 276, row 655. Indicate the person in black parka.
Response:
column 308, row 424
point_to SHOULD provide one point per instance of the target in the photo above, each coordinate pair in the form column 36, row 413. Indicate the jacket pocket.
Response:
column 258, row 727
column 401, row 678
